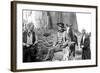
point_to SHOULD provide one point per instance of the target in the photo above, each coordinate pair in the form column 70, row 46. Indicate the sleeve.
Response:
column 34, row 38
column 24, row 37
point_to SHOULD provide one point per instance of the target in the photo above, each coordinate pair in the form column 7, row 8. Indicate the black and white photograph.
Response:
column 53, row 36
column 56, row 36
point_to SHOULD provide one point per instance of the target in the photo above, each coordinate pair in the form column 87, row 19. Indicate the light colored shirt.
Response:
column 60, row 37
column 83, row 38
column 29, row 39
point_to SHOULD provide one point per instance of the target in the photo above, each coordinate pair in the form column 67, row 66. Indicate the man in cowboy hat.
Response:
column 57, row 47
column 60, row 33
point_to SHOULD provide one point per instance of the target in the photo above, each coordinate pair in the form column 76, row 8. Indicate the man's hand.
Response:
column 25, row 44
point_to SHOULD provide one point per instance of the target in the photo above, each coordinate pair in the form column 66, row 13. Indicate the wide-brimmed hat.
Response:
column 60, row 25
column 68, row 25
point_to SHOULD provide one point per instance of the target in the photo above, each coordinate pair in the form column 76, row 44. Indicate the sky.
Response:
column 84, row 21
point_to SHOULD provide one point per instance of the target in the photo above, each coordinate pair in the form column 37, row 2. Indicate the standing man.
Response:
column 29, row 40
column 85, row 44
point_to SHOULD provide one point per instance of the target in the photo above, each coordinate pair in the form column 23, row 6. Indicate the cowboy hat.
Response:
column 60, row 25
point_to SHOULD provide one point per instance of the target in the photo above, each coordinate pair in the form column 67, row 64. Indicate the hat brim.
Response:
column 68, row 25
column 60, row 25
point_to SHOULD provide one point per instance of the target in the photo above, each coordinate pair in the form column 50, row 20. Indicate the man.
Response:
column 58, row 45
column 29, row 40
column 85, row 45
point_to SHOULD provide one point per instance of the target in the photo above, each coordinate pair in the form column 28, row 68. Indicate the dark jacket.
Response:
column 86, row 52
column 29, row 53
column 86, row 42
column 25, row 33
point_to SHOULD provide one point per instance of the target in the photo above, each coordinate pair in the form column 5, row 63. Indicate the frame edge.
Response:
column 13, row 36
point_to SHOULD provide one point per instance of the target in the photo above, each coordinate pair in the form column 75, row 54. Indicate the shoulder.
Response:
column 25, row 32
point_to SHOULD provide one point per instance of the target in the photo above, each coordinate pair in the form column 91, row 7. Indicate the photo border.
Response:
column 14, row 35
